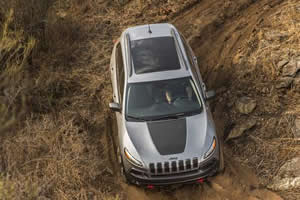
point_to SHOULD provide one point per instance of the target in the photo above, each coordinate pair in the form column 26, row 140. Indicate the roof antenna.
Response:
column 149, row 29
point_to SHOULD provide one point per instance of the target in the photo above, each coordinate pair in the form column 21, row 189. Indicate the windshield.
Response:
column 158, row 99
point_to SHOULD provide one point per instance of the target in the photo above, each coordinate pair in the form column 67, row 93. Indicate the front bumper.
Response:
column 140, row 177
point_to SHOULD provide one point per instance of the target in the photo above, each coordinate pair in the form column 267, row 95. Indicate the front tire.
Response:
column 221, row 161
column 123, row 174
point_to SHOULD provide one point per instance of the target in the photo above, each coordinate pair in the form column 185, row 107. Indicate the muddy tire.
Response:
column 221, row 164
column 123, row 175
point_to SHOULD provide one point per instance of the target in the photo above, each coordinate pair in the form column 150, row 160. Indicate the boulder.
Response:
column 290, row 169
column 239, row 130
column 284, row 82
column 288, row 177
column 282, row 63
column 285, row 184
column 245, row 105
column 291, row 69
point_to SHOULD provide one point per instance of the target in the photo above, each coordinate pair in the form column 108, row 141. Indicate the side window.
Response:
column 187, row 50
column 190, row 57
column 120, row 72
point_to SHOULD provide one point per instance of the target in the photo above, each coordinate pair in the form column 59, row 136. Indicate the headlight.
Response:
column 211, row 148
column 131, row 159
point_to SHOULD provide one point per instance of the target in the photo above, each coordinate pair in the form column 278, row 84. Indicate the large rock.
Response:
column 284, row 82
column 285, row 184
column 288, row 176
column 239, row 130
column 290, row 169
column 297, row 128
column 282, row 63
column 290, row 69
column 245, row 105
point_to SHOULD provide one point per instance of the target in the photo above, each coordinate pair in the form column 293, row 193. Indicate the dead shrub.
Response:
column 55, row 159
column 15, row 49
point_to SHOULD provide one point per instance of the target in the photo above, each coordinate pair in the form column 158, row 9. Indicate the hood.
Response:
column 158, row 141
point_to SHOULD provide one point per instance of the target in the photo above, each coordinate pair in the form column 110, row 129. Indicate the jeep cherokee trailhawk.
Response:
column 166, row 133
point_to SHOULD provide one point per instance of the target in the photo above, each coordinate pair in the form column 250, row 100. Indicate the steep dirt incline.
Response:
column 216, row 30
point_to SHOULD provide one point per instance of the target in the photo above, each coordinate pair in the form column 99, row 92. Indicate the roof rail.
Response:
column 129, row 61
column 173, row 33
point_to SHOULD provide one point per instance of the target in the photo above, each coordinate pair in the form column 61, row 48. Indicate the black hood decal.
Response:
column 169, row 137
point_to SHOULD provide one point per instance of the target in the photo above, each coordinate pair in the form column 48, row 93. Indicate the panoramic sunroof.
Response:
column 154, row 55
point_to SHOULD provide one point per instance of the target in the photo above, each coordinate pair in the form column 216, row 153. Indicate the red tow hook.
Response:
column 150, row 187
column 201, row 180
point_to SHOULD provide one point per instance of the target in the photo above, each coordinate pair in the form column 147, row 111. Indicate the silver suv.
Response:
column 166, row 133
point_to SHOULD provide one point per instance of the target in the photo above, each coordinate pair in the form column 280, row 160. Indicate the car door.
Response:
column 113, row 70
column 119, row 80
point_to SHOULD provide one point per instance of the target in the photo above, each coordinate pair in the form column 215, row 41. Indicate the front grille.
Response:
column 181, row 165
column 188, row 164
column 177, row 174
column 195, row 162
column 174, row 166
column 167, row 167
column 159, row 167
column 152, row 168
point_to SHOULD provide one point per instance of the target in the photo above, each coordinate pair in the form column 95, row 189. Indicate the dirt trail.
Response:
column 216, row 30
column 238, row 182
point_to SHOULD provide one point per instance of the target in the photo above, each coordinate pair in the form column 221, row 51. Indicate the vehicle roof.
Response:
column 157, row 30
column 141, row 32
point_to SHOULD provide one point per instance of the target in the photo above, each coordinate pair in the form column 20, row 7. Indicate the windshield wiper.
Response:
column 136, row 118
column 175, row 116
column 194, row 112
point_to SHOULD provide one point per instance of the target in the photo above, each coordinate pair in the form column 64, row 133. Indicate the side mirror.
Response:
column 195, row 59
column 115, row 107
column 203, row 86
column 210, row 94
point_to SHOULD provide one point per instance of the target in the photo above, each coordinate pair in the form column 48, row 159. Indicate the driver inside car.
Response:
column 177, row 98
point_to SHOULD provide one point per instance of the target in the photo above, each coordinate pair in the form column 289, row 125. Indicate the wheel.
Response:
column 123, row 175
column 221, row 165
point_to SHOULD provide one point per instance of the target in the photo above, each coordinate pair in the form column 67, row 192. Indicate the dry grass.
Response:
column 55, row 159
column 15, row 49
column 50, row 108
column 53, row 99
